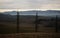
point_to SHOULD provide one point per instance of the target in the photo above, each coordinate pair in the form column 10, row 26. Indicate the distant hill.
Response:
column 5, row 17
column 11, row 15
column 33, row 12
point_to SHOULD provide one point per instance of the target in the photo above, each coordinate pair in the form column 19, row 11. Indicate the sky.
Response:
column 29, row 4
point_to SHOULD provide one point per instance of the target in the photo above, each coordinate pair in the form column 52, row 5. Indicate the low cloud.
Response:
column 30, row 4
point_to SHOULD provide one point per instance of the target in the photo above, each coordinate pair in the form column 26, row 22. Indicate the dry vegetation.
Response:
column 31, row 35
column 27, row 29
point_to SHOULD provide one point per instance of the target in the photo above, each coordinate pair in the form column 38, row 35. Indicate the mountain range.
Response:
column 12, row 14
column 33, row 12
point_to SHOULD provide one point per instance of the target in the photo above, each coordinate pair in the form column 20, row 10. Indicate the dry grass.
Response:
column 31, row 35
column 9, row 28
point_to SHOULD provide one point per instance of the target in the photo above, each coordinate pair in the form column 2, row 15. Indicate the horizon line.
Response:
column 5, row 10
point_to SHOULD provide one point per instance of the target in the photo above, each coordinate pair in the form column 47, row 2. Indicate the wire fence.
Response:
column 41, row 23
column 46, row 26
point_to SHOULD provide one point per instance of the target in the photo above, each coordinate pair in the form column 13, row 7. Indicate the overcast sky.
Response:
column 29, row 4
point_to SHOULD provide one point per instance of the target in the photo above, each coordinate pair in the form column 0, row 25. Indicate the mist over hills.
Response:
column 33, row 12
column 51, row 13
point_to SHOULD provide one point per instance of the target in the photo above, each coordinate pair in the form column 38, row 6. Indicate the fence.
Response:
column 30, row 26
column 37, row 20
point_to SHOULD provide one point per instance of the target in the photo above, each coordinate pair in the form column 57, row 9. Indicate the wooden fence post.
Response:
column 36, row 22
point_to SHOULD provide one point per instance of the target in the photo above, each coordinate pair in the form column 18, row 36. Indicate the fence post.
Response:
column 56, row 24
column 36, row 22
column 17, row 22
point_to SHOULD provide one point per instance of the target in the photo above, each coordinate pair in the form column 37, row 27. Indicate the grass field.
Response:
column 9, row 28
column 31, row 35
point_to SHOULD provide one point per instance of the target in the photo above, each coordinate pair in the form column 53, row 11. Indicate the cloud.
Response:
column 30, row 4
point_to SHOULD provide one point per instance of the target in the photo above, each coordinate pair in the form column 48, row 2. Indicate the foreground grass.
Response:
column 31, row 35
column 10, row 28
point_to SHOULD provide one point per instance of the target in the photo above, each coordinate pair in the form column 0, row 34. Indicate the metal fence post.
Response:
column 36, row 22
column 56, row 24
column 17, row 22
